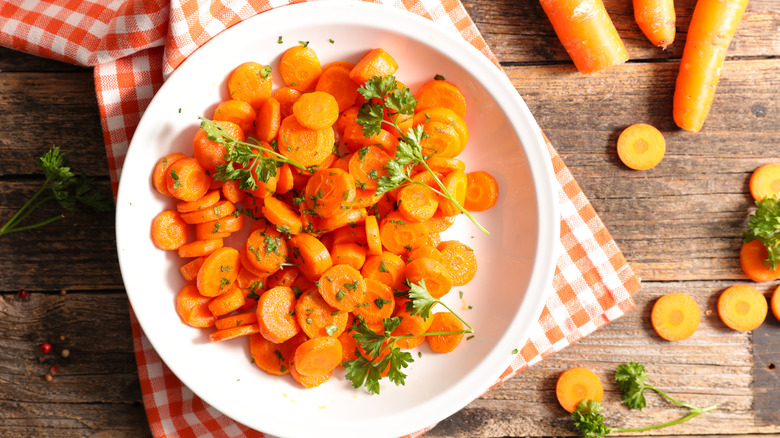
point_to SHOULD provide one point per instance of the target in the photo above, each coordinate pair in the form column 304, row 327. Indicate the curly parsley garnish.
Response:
column 68, row 189
column 396, row 101
column 765, row 227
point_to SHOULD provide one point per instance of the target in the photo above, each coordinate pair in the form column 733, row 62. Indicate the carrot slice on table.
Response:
column 590, row 39
column 305, row 146
column 713, row 25
column 318, row 318
column 775, row 303
column 187, row 180
column 436, row 276
column 343, row 287
column 440, row 93
column 210, row 153
column 310, row 254
column 752, row 259
column 236, row 111
column 578, row 384
column 460, row 260
column 656, row 19
column 236, row 320
column 641, row 146
column 273, row 358
column 161, row 171
column 376, row 62
column 192, row 307
column 218, row 272
column 675, row 316
column 169, row 230
column 234, row 332
column 444, row 322
column 316, row 110
column 481, row 191
column 250, row 82
column 335, row 81
column 317, row 356
column 379, row 302
column 275, row 314
column 199, row 248
column 765, row 182
column 300, row 67
column 742, row 307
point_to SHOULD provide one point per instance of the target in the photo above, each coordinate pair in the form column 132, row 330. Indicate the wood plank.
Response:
column 683, row 219
column 75, row 253
column 41, row 109
column 96, row 389
column 714, row 366
column 519, row 31
column 16, row 61
column 766, row 358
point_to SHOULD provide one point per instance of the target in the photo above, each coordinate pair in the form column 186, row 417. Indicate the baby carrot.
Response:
column 577, row 384
column 656, row 19
column 675, row 316
column 742, row 307
column 587, row 33
column 713, row 25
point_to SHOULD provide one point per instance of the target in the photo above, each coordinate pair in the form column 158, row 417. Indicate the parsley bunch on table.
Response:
column 631, row 379
column 71, row 191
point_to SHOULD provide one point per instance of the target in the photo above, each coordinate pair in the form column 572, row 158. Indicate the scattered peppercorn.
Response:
column 46, row 347
column 62, row 337
column 21, row 294
column 48, row 377
column 65, row 353
column 63, row 292
column 54, row 370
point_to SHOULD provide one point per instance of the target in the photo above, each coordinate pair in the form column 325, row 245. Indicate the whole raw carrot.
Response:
column 712, row 27
column 656, row 19
column 586, row 32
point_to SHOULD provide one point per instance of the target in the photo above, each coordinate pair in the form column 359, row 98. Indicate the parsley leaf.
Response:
column 765, row 226
column 630, row 378
column 71, row 191
column 588, row 419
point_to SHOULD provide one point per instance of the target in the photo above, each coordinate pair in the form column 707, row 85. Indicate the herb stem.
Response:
column 29, row 227
column 694, row 413
column 664, row 395
column 449, row 196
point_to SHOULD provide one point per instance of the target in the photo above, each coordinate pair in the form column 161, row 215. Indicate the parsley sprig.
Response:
column 381, row 350
column 630, row 378
column 244, row 159
column 765, row 226
column 383, row 95
column 64, row 186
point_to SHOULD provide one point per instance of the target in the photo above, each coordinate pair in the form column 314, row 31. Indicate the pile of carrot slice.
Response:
column 322, row 246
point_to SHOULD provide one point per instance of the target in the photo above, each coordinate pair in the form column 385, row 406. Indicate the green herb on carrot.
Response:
column 765, row 227
column 68, row 189
column 712, row 27
column 396, row 102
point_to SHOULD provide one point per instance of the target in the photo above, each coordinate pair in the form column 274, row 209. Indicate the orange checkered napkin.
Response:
column 135, row 44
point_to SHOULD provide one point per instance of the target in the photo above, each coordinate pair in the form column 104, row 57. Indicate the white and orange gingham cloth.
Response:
column 135, row 44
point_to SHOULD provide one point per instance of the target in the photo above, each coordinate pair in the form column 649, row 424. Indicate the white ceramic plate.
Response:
column 515, row 262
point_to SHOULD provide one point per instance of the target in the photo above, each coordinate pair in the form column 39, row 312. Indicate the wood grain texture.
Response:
column 519, row 31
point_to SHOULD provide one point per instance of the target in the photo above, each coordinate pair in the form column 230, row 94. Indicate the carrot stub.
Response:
column 712, row 27
column 590, row 38
column 577, row 384
column 275, row 314
column 742, row 307
column 765, row 182
column 641, row 146
column 752, row 259
column 675, row 316
column 169, row 230
column 656, row 19
column 317, row 356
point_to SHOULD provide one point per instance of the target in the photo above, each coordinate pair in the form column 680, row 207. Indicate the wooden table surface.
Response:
column 679, row 226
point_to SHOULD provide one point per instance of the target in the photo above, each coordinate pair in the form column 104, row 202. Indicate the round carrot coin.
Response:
column 742, row 307
column 675, row 316
column 578, row 384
